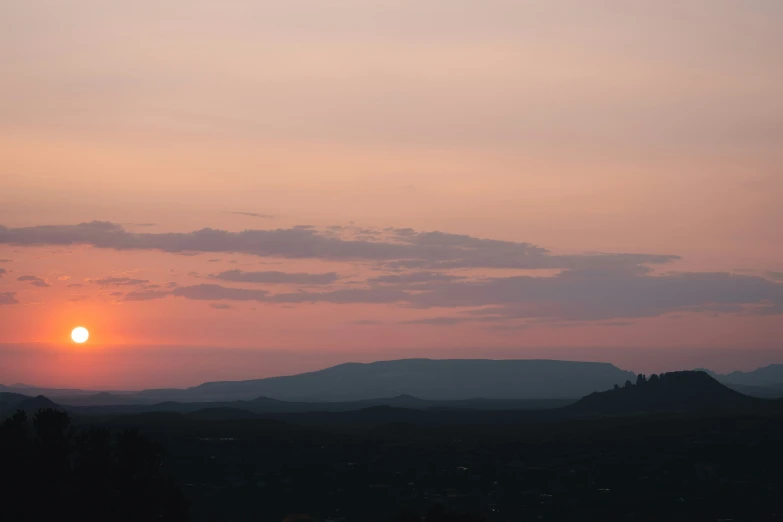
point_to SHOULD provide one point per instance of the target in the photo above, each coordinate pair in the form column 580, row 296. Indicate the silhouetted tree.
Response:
column 616, row 387
column 654, row 379
column 50, row 459
column 53, row 473
column 407, row 516
column 438, row 513
column 298, row 517
column 641, row 379
column 15, row 476
column 628, row 384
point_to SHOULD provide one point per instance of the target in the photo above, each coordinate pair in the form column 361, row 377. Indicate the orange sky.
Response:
column 619, row 127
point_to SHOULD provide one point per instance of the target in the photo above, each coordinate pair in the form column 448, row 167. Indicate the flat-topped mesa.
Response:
column 443, row 379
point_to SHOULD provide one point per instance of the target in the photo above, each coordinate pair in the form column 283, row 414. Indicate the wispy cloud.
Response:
column 415, row 277
column 401, row 248
column 119, row 281
column 589, row 287
column 588, row 295
column 145, row 295
column 209, row 292
column 34, row 281
column 274, row 277
column 8, row 298
column 253, row 214
column 452, row 320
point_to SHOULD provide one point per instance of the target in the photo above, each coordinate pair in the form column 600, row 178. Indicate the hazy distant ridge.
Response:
column 448, row 379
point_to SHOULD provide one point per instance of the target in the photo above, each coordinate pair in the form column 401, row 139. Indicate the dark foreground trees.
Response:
column 51, row 473
column 438, row 513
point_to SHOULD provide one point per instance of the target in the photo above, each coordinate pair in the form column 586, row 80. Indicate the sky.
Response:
column 239, row 189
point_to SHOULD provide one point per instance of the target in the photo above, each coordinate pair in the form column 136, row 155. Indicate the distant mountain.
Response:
column 263, row 405
column 765, row 376
column 30, row 405
column 770, row 391
column 448, row 379
column 689, row 391
column 100, row 399
column 9, row 400
column 53, row 392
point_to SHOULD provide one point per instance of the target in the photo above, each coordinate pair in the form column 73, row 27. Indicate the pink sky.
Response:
column 481, row 153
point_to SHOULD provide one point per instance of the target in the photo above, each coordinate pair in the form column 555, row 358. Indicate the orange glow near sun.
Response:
column 80, row 334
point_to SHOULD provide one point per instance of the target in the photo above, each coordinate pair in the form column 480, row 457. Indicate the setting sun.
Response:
column 80, row 334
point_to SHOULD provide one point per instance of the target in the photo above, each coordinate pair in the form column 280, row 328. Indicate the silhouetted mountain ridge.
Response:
column 441, row 379
column 771, row 374
column 685, row 391
column 33, row 404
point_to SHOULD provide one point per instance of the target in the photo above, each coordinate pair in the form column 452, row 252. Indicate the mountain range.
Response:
column 691, row 392
column 447, row 379
column 425, row 379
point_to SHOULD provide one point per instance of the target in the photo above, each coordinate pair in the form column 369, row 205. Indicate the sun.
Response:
column 80, row 334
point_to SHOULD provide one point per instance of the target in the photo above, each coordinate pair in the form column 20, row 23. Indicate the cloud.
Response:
column 254, row 214
column 5, row 260
column 441, row 321
column 145, row 295
column 273, row 277
column 213, row 292
column 575, row 295
column 452, row 320
column 2, row 272
column 209, row 292
column 401, row 248
column 366, row 322
column 74, row 285
column 64, row 278
column 8, row 298
column 507, row 327
column 777, row 276
column 119, row 281
column 349, row 296
column 603, row 295
column 589, row 287
column 221, row 306
column 34, row 281
column 415, row 277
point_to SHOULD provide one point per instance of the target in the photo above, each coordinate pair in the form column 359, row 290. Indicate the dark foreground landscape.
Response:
column 675, row 447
